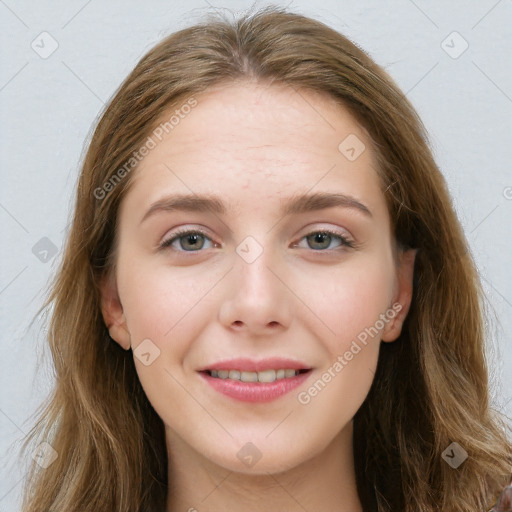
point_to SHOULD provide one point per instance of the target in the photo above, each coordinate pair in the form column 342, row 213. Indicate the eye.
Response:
column 324, row 238
column 192, row 240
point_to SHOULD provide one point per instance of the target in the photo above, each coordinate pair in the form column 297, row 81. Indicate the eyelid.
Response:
column 338, row 231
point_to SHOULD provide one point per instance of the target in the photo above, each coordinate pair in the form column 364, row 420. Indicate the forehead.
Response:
column 262, row 120
column 246, row 140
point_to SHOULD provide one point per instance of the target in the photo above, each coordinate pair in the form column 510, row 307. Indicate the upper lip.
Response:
column 253, row 365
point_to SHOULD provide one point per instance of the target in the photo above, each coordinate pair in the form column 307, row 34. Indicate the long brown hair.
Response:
column 431, row 385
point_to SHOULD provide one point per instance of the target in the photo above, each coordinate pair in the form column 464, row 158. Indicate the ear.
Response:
column 403, row 295
column 112, row 311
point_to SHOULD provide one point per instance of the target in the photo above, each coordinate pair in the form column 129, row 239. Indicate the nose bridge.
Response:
column 258, row 294
column 255, row 266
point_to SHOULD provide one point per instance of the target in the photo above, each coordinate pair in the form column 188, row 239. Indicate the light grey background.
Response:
column 48, row 106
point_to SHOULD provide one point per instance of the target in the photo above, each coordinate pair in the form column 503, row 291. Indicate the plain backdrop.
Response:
column 63, row 59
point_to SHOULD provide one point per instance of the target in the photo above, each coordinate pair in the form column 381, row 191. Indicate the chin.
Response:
column 258, row 458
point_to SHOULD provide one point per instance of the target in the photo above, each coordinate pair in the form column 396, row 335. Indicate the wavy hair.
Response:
column 431, row 387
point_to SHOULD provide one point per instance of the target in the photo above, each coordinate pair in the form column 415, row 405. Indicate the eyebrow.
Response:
column 301, row 203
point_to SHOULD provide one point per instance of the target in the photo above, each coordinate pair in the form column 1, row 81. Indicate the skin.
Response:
column 255, row 146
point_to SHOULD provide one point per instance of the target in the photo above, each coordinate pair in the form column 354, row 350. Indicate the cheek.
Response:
column 166, row 306
column 163, row 303
column 348, row 299
column 355, row 305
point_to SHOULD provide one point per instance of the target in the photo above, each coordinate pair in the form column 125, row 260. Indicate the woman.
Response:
column 266, row 300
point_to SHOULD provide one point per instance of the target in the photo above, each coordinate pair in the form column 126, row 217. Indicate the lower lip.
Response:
column 255, row 391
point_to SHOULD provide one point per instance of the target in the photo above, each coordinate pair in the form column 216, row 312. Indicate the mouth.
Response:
column 270, row 375
column 255, row 381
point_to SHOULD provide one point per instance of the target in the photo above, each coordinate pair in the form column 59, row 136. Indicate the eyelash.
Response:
column 345, row 242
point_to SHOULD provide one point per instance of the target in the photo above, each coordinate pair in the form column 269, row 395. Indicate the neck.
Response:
column 324, row 482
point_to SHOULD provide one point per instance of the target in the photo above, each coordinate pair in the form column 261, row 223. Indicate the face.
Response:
column 289, row 300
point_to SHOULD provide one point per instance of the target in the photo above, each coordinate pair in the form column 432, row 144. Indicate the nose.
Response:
column 259, row 300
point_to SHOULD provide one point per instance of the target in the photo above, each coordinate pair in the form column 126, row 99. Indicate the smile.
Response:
column 262, row 376
column 249, row 380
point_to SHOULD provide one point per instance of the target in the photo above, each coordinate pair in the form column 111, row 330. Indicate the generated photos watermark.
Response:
column 305, row 397
column 151, row 142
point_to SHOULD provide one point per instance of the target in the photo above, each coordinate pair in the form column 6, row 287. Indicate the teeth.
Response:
column 263, row 376
column 249, row 376
column 268, row 376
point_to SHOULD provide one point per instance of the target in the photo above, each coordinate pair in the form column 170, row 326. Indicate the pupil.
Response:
column 320, row 237
column 193, row 239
